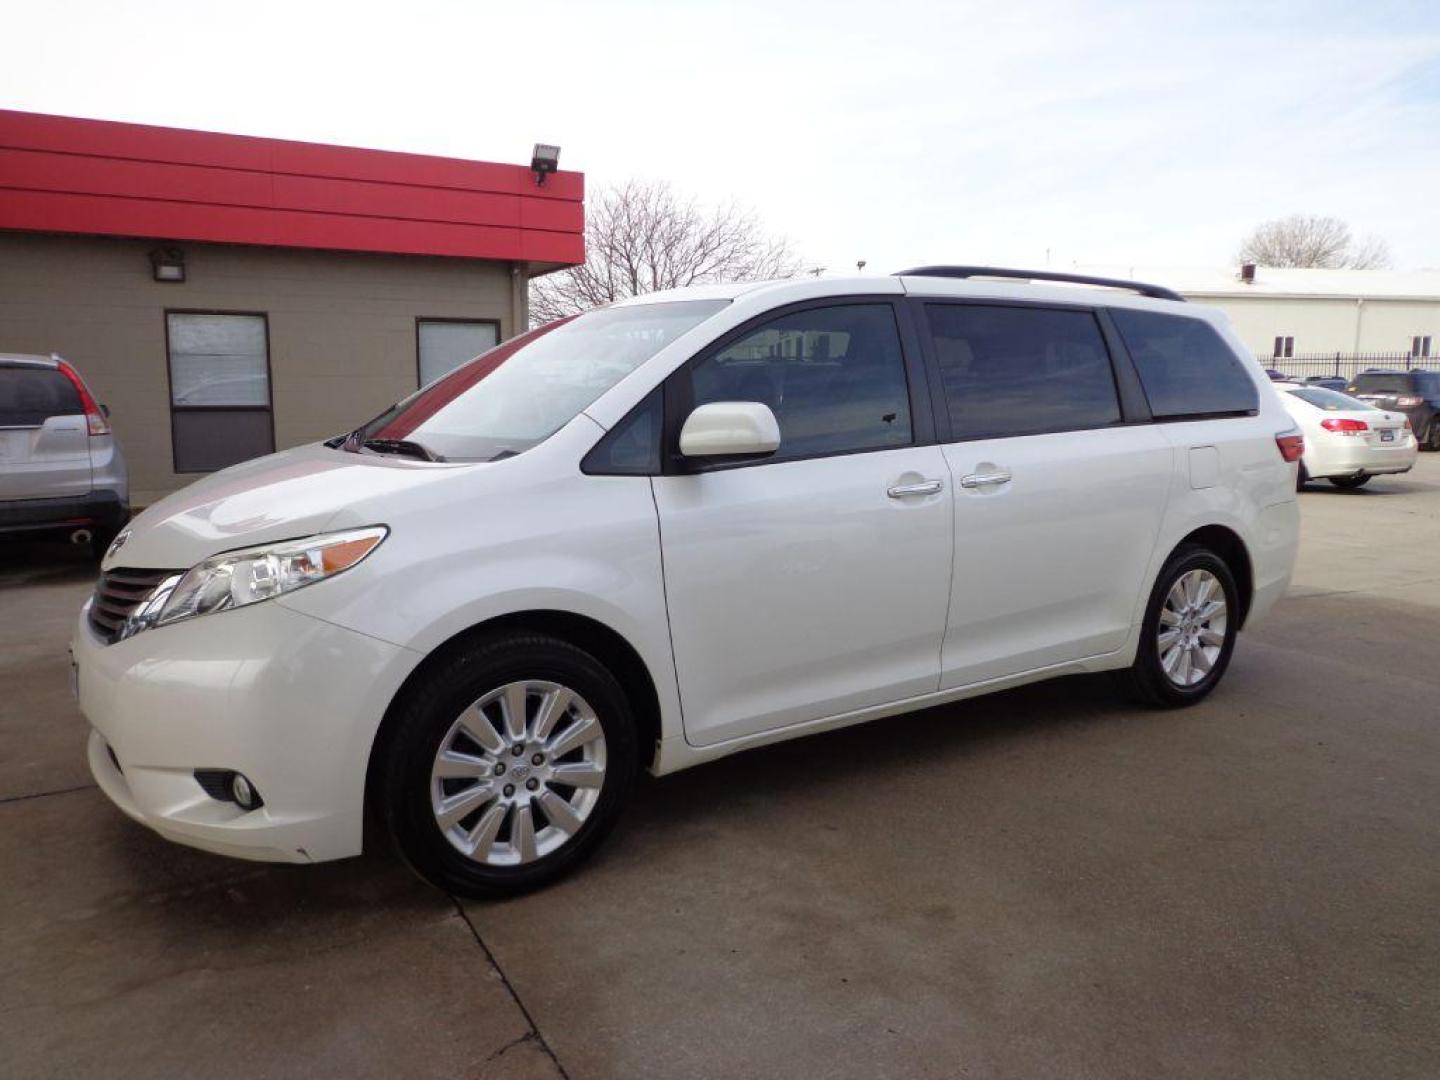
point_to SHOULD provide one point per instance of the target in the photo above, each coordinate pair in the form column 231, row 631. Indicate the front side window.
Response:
column 1186, row 368
column 833, row 376
column 442, row 345
column 1012, row 370
column 519, row 394
column 219, row 389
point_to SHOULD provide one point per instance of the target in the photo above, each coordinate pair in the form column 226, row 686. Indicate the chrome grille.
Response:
column 117, row 594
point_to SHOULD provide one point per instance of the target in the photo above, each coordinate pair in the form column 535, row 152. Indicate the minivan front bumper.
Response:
column 290, row 701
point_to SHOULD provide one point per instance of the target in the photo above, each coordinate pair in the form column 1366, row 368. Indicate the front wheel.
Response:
column 1349, row 483
column 508, row 766
column 1188, row 632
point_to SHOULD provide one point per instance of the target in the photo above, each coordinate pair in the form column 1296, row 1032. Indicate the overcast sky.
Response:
column 897, row 132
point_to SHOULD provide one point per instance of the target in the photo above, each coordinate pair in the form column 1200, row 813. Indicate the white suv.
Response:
column 678, row 527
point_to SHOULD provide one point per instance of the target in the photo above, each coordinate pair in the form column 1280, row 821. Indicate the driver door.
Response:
column 813, row 582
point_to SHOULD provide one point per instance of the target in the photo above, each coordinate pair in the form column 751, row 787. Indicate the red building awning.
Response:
column 65, row 175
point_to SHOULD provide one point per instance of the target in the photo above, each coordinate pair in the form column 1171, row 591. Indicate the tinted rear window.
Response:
column 1021, row 370
column 30, row 396
column 1382, row 384
column 1185, row 366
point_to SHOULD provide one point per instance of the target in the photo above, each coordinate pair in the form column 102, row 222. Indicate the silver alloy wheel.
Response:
column 1192, row 627
column 518, row 773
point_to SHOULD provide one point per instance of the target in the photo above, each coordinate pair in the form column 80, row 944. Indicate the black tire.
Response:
column 100, row 540
column 1433, row 440
column 1349, row 483
column 422, row 720
column 1302, row 477
column 1145, row 680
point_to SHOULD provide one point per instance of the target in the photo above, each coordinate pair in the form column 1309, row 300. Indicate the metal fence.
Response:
column 1344, row 365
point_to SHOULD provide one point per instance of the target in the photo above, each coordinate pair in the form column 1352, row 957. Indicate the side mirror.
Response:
column 730, row 429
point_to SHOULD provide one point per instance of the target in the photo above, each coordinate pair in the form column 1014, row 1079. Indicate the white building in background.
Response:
column 1313, row 313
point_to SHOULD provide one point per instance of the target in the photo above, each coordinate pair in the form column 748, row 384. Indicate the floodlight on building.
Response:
column 544, row 161
column 168, row 265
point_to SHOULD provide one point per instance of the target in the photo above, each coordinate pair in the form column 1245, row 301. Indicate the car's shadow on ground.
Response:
column 1386, row 486
column 196, row 885
column 28, row 561
column 878, row 751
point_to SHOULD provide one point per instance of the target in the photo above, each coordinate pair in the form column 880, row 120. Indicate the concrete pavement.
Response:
column 1041, row 883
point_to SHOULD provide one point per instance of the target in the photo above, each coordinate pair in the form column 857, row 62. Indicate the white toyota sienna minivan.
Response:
column 674, row 528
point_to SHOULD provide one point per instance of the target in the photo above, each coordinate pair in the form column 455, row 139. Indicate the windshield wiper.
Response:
column 400, row 448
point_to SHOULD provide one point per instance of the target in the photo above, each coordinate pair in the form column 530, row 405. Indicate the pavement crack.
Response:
column 46, row 794
column 529, row 1036
column 534, row 1032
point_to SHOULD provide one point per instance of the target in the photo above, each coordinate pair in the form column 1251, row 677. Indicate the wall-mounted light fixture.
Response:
column 544, row 161
column 168, row 264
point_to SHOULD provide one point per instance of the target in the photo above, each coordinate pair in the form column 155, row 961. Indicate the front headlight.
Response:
column 250, row 575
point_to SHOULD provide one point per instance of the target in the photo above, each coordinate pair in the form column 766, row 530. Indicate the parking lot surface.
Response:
column 1046, row 882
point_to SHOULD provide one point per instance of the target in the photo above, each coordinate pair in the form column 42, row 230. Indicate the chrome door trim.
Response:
column 924, row 487
column 975, row 480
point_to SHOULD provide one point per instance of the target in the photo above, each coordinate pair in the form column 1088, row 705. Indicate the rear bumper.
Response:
column 1360, row 459
column 1273, row 547
column 97, row 510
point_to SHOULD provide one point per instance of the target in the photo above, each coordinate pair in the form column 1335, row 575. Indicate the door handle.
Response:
column 985, row 479
column 924, row 487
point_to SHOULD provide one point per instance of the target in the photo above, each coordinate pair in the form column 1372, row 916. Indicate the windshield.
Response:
column 519, row 394
column 1331, row 400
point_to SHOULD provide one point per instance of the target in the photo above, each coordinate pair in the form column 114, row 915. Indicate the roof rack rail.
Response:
column 1158, row 292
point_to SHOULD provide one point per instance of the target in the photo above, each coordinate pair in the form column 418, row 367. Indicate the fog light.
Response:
column 242, row 792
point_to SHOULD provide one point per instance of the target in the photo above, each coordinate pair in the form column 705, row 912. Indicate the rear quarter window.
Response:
column 1020, row 370
column 30, row 396
column 1186, row 368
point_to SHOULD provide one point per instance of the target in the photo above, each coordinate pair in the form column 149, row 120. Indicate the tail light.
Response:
column 1344, row 427
column 1291, row 445
column 1408, row 401
column 94, row 415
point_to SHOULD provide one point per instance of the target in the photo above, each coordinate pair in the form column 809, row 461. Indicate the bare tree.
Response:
column 641, row 237
column 1310, row 240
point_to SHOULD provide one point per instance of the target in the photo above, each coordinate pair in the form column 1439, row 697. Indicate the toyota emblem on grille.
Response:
column 117, row 543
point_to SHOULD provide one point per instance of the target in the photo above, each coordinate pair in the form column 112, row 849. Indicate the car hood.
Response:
column 279, row 497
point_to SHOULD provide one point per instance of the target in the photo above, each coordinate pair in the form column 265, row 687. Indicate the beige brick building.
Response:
column 320, row 284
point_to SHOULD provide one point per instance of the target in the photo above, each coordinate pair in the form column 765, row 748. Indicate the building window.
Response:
column 219, row 388
column 1420, row 346
column 442, row 345
column 1284, row 347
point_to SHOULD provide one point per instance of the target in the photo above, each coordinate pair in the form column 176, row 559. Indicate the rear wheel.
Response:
column 508, row 766
column 1349, row 483
column 1188, row 633
column 1433, row 442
